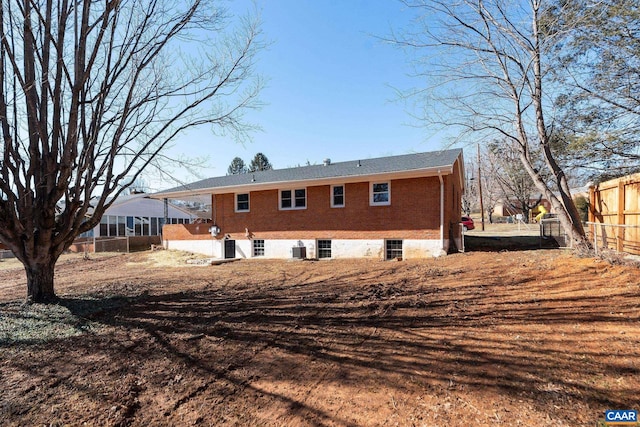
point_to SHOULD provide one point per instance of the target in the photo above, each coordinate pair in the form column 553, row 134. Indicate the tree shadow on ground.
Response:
column 508, row 243
column 436, row 336
column 265, row 346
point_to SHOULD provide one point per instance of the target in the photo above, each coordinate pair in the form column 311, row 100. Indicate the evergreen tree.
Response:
column 598, row 69
column 260, row 163
column 237, row 167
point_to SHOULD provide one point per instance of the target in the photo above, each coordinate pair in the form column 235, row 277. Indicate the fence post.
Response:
column 127, row 244
column 595, row 238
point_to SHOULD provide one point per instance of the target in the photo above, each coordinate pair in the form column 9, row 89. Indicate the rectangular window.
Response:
column 324, row 248
column 138, row 226
column 380, row 193
column 258, row 247
column 393, row 249
column 301, row 198
column 293, row 199
column 285, row 199
column 337, row 196
column 122, row 226
column 104, row 226
column 113, row 230
column 242, row 202
column 154, row 226
column 145, row 226
column 130, row 226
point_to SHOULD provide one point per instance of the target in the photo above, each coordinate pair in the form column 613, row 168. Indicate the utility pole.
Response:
column 480, row 188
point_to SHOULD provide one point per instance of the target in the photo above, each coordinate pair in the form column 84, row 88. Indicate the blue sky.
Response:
column 329, row 90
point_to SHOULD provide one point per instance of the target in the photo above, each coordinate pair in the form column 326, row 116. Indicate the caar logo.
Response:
column 621, row 417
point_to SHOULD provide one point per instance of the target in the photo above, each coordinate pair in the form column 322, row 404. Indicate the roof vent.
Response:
column 326, row 162
column 358, row 164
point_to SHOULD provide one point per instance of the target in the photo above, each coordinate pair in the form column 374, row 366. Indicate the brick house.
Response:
column 405, row 206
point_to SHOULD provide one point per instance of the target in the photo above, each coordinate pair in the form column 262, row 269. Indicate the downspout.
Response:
column 214, row 208
column 441, row 210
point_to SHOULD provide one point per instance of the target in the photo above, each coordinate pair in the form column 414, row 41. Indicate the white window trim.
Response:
column 371, row 202
column 330, row 248
column 293, row 199
column 253, row 249
column 344, row 201
column 248, row 201
column 386, row 252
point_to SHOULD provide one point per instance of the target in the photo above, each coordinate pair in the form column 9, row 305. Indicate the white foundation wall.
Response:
column 342, row 248
column 209, row 248
column 357, row 249
column 282, row 249
column 412, row 249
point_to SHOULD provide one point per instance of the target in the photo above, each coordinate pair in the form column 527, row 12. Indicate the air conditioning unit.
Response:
column 299, row 252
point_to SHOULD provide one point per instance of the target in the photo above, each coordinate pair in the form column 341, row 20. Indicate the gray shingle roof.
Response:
column 365, row 167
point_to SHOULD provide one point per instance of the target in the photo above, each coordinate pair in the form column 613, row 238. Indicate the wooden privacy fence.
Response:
column 614, row 214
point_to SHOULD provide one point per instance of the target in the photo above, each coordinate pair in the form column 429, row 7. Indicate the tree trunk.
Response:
column 40, row 282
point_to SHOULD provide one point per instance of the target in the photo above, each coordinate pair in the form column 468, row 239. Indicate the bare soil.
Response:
column 531, row 338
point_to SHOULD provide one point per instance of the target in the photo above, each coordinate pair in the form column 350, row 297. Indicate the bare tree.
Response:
column 470, row 197
column 91, row 93
column 515, row 184
column 487, row 67
column 492, row 193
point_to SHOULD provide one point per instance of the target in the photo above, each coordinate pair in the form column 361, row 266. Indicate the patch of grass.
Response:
column 39, row 323
column 171, row 258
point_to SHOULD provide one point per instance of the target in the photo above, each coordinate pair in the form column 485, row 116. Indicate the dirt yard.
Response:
column 531, row 338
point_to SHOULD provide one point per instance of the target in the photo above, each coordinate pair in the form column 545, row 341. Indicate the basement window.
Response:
column 393, row 249
column 324, row 249
column 258, row 247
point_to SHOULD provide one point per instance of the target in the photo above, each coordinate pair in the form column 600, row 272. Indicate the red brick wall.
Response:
column 414, row 213
column 186, row 232
column 453, row 203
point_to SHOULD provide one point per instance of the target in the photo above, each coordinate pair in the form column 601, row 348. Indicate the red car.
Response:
column 467, row 223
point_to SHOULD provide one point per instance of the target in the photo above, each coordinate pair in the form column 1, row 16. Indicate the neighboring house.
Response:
column 138, row 215
column 404, row 206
